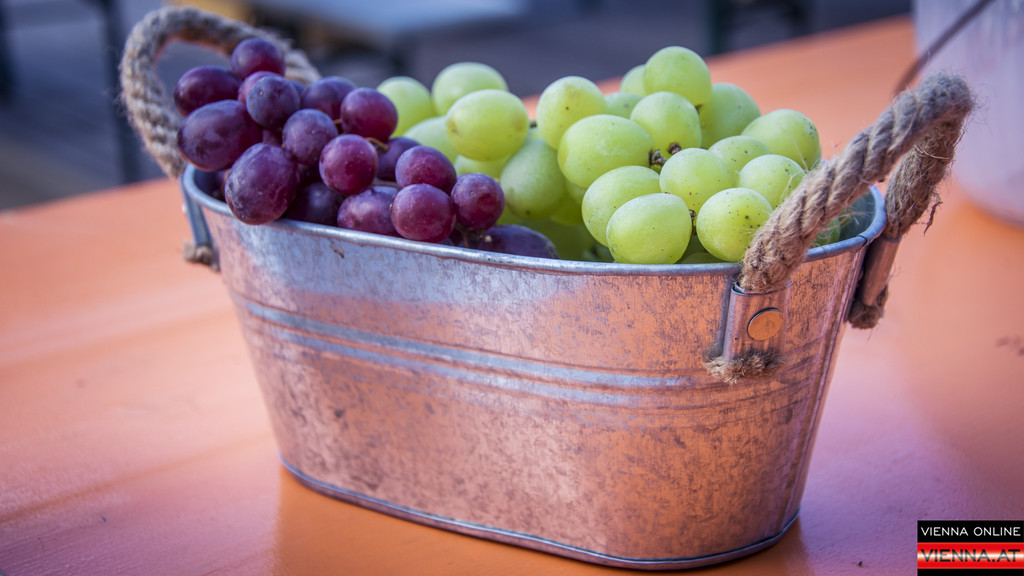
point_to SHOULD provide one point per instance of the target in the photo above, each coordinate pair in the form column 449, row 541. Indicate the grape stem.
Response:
column 655, row 158
column 469, row 237
column 381, row 147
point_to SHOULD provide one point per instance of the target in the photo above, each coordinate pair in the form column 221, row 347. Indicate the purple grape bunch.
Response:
column 326, row 153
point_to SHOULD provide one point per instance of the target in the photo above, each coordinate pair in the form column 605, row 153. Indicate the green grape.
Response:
column 633, row 81
column 569, row 212
column 411, row 99
column 695, row 174
column 830, row 234
column 532, row 181
column 728, row 221
column 680, row 70
column 507, row 217
column 461, row 78
column 596, row 252
column 611, row 190
column 696, row 253
column 700, row 258
column 774, row 176
column 789, row 133
column 694, row 245
column 728, row 112
column 432, row 132
column 572, row 242
column 736, row 151
column 670, row 119
column 487, row 124
column 565, row 101
column 576, row 192
column 651, row 229
column 621, row 103
column 492, row 168
column 599, row 143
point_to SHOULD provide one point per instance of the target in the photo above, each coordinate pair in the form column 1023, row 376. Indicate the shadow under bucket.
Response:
column 556, row 405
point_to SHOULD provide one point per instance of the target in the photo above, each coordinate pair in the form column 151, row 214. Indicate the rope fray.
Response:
column 751, row 365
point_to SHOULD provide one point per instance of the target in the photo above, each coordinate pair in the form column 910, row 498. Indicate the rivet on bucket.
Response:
column 756, row 321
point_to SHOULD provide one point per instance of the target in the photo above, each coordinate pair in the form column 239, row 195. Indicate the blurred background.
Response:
column 61, row 133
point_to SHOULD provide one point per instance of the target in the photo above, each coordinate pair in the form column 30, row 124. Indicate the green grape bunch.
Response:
column 664, row 167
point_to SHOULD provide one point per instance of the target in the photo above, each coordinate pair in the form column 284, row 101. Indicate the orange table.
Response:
column 133, row 438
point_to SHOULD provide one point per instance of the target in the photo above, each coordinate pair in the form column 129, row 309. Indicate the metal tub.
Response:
column 556, row 405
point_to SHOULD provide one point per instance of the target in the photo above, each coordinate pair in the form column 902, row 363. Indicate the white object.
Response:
column 989, row 53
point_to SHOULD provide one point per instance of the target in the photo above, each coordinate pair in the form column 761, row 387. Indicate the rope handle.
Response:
column 149, row 107
column 920, row 130
column 922, row 127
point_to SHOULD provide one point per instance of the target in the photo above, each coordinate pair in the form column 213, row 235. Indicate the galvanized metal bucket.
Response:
column 563, row 406
column 557, row 405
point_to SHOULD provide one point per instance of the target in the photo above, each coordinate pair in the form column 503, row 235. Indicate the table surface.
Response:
column 133, row 439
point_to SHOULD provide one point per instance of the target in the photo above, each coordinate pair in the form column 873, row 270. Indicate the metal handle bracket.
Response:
column 201, row 250
column 756, row 322
column 877, row 269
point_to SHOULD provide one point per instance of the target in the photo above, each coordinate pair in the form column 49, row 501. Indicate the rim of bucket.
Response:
column 871, row 204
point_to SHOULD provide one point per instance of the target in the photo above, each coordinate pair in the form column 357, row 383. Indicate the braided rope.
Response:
column 921, row 127
column 924, row 124
column 146, row 101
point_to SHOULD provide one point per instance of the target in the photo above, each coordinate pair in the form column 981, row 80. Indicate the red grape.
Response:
column 202, row 85
column 211, row 183
column 369, row 113
column 479, row 201
column 387, row 159
column 423, row 212
column 326, row 95
column 246, row 85
column 315, row 203
column 425, row 165
column 262, row 184
column 369, row 211
column 309, row 174
column 516, row 239
column 306, row 133
column 255, row 54
column 272, row 137
column 348, row 164
column 271, row 100
column 300, row 88
column 213, row 136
